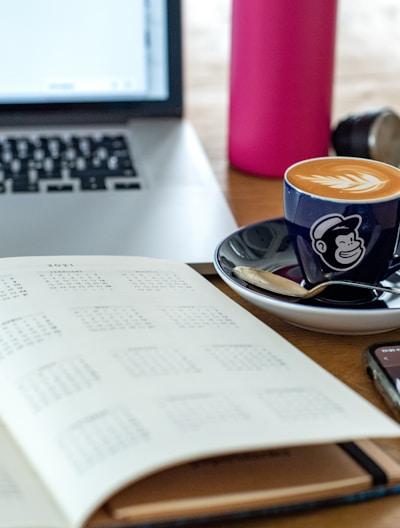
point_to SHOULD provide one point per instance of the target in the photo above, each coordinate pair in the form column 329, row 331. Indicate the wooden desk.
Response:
column 367, row 76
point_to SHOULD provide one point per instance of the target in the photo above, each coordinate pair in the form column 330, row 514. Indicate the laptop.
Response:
column 95, row 154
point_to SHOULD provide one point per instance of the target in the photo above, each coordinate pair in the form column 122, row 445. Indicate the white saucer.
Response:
column 266, row 245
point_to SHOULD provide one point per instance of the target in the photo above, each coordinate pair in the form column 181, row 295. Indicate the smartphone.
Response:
column 382, row 362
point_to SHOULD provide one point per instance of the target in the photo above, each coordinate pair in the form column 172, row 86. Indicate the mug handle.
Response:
column 393, row 266
column 395, row 262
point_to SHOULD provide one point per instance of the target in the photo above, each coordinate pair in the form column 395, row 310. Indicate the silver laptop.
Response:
column 95, row 156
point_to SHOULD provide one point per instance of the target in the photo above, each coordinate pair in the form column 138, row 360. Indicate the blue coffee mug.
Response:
column 343, row 217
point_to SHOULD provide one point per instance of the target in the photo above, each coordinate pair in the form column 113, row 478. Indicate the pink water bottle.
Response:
column 282, row 62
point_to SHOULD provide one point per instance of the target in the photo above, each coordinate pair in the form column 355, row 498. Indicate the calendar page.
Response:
column 114, row 367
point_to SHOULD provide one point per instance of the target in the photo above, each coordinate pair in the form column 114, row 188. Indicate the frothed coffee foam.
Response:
column 345, row 178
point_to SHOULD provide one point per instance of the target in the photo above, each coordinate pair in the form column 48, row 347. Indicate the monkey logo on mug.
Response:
column 337, row 241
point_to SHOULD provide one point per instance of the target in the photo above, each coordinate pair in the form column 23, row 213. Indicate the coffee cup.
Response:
column 343, row 218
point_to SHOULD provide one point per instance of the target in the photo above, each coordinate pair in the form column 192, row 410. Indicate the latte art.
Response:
column 355, row 183
column 345, row 178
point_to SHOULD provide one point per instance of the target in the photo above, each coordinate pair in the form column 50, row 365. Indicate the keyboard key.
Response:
column 24, row 186
column 126, row 186
column 61, row 187
column 93, row 183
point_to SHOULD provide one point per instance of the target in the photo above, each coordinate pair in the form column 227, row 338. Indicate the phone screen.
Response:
column 388, row 356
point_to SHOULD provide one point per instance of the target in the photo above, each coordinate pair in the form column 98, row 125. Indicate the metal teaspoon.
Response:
column 281, row 285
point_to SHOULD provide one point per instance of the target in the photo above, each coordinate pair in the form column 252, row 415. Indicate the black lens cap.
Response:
column 374, row 135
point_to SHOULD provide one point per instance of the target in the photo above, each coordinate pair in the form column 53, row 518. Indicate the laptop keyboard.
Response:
column 66, row 164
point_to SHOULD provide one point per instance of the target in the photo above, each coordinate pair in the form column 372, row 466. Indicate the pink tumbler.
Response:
column 282, row 62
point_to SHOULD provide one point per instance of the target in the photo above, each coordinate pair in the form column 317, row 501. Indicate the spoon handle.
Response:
column 389, row 289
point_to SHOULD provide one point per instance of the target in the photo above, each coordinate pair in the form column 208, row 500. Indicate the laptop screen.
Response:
column 100, row 57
